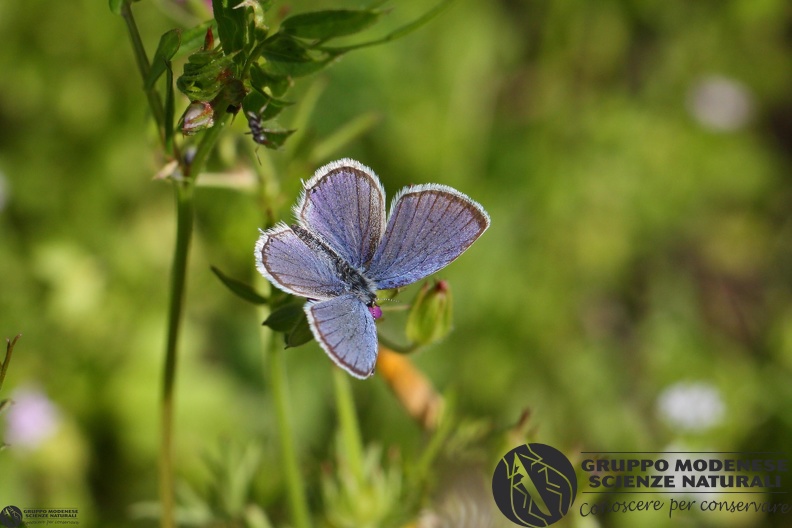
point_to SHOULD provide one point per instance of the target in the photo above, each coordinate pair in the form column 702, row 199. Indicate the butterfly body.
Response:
column 357, row 284
column 342, row 250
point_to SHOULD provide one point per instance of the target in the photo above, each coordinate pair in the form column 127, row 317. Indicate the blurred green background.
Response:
column 632, row 292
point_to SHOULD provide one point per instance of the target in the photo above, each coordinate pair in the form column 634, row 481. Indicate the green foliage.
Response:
column 290, row 319
column 168, row 46
column 325, row 25
column 264, row 65
column 205, row 75
column 239, row 288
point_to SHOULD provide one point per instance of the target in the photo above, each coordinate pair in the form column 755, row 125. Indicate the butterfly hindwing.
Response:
column 345, row 329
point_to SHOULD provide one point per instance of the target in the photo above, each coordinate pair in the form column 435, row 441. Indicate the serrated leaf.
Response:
column 301, row 333
column 239, row 288
column 205, row 75
column 325, row 25
column 285, row 318
column 168, row 46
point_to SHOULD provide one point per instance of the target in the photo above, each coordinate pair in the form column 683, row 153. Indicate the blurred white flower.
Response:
column 31, row 419
column 692, row 406
column 720, row 104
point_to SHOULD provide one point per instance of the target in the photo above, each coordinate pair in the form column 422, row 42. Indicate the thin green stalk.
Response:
column 350, row 430
column 143, row 65
column 185, row 206
column 295, row 486
column 4, row 365
column 194, row 168
column 396, row 347
column 185, row 214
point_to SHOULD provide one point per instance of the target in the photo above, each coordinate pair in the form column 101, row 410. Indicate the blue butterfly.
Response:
column 342, row 250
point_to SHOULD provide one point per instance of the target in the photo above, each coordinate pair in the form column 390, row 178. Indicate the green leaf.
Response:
column 263, row 106
column 291, row 320
column 397, row 33
column 204, row 75
column 285, row 318
column 299, row 69
column 301, row 333
column 231, row 24
column 193, row 39
column 324, row 25
column 4, row 404
column 288, row 57
column 276, row 137
column 284, row 48
column 168, row 46
column 239, row 288
column 260, row 79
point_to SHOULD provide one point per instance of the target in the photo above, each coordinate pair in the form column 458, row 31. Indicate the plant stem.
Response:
column 185, row 214
column 280, row 392
column 184, row 226
column 143, row 65
column 396, row 347
column 4, row 364
column 352, row 445
column 194, row 168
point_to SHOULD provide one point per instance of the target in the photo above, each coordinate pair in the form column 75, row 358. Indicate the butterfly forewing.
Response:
column 294, row 267
column 346, row 330
column 344, row 203
column 429, row 226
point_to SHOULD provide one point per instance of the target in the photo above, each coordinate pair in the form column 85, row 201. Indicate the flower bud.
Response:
column 429, row 319
column 198, row 116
